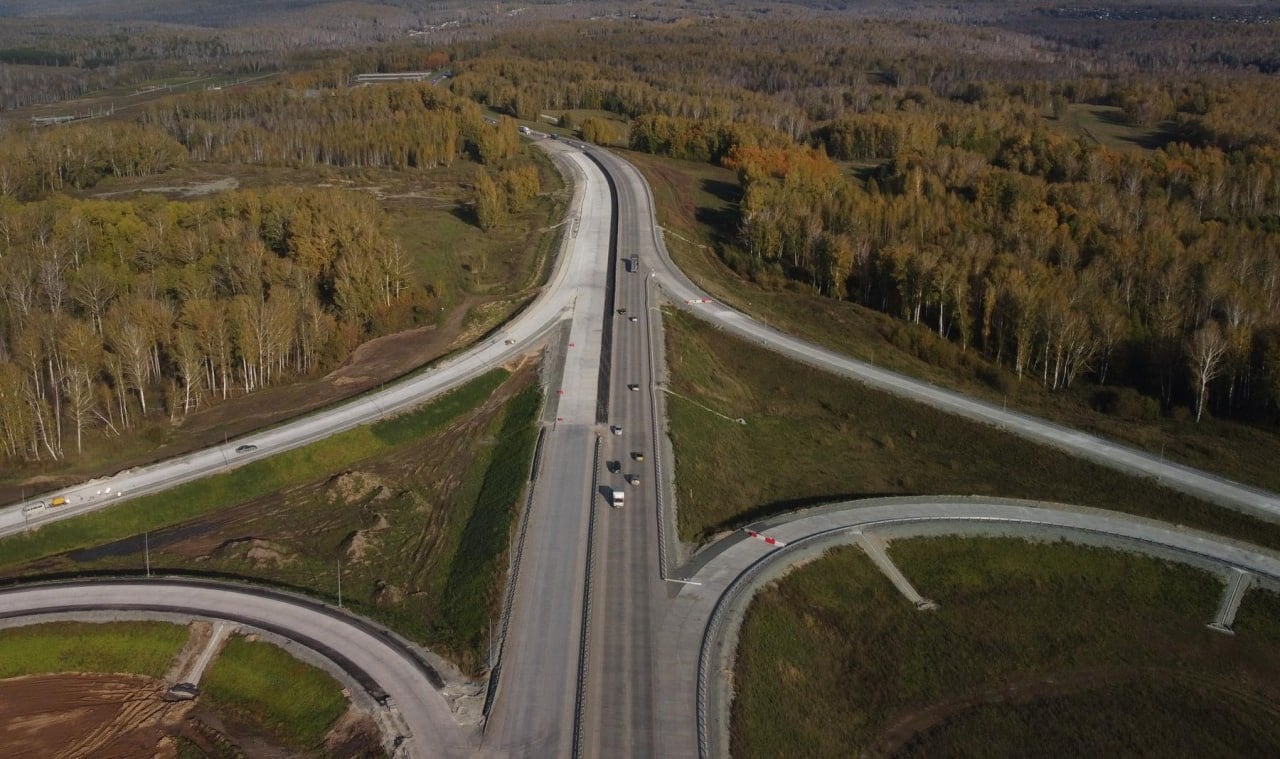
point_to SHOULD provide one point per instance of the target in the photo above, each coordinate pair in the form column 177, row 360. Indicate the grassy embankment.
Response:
column 697, row 206
column 263, row 686
column 811, row 437
column 415, row 513
column 143, row 648
column 1075, row 651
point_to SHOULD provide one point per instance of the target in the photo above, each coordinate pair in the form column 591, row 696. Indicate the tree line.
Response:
column 926, row 169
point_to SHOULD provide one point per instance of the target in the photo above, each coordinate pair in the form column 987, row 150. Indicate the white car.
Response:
column 615, row 429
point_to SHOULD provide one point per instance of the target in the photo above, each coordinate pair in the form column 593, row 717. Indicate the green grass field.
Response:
column 1033, row 645
column 811, row 437
column 143, row 648
column 262, row 685
column 696, row 205
column 244, row 483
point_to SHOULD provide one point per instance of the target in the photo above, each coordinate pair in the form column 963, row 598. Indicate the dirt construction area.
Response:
column 92, row 716
column 69, row 716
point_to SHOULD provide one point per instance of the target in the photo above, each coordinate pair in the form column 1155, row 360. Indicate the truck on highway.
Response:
column 618, row 497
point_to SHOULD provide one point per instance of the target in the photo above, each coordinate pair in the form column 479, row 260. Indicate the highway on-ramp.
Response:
column 601, row 657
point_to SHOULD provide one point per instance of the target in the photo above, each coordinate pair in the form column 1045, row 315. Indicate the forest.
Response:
column 120, row 310
column 929, row 171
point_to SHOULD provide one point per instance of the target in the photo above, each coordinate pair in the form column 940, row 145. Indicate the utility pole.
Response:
column 146, row 550
column 339, row 583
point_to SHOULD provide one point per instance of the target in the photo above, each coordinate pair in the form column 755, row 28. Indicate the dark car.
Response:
column 246, row 448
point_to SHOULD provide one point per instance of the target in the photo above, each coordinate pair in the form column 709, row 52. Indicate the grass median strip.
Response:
column 144, row 648
column 254, row 479
column 265, row 686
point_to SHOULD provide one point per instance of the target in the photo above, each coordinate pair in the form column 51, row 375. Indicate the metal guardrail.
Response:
column 584, row 649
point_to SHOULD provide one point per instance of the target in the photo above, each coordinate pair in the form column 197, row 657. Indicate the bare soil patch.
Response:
column 123, row 717
column 99, row 716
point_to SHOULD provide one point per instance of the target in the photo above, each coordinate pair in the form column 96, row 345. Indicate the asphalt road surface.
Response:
column 534, row 708
column 644, row 641
column 619, row 718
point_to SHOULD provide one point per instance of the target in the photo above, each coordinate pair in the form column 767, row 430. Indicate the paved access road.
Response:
column 643, row 648
column 370, row 654
column 729, row 571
